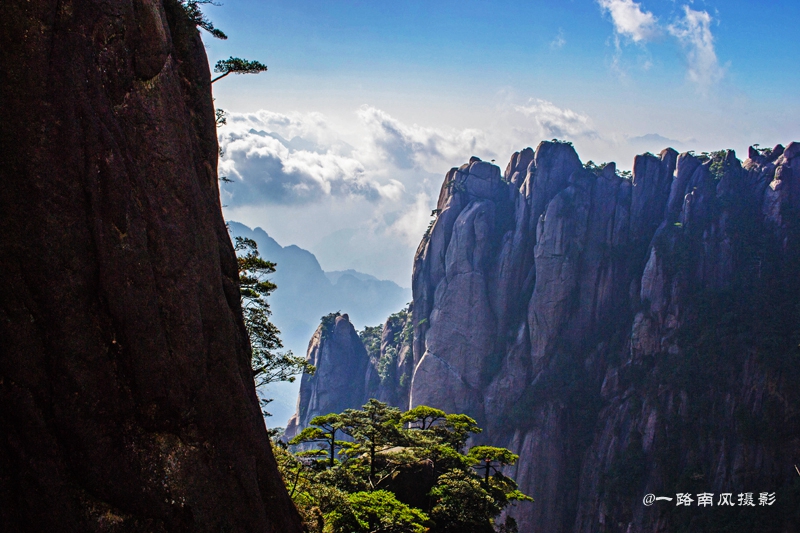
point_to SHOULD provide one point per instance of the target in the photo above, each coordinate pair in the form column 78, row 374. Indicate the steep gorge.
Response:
column 624, row 335
column 126, row 396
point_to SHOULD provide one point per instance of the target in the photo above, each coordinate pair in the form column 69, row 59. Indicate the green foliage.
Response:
column 232, row 65
column 401, row 322
column 455, row 185
column 374, row 428
column 591, row 166
column 268, row 363
column 376, row 512
column 766, row 151
column 396, row 471
column 323, row 429
column 198, row 18
column 327, row 322
column 422, row 417
column 504, row 457
column 703, row 157
column 387, row 363
column 429, row 229
column 451, row 430
column 463, row 502
column 237, row 65
column 220, row 119
column 719, row 163
column 371, row 339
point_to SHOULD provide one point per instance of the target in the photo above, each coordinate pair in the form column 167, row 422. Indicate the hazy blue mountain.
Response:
column 336, row 274
column 305, row 293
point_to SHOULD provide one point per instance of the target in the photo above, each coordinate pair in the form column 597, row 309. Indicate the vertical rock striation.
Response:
column 126, row 396
column 624, row 336
column 351, row 369
column 341, row 363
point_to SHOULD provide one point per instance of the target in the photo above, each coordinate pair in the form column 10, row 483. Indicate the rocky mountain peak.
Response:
column 622, row 334
column 338, row 383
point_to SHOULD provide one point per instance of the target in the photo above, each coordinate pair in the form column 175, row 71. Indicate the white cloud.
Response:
column 410, row 225
column 556, row 122
column 559, row 41
column 694, row 33
column 297, row 158
column 379, row 190
column 292, row 159
column 412, row 146
column 630, row 20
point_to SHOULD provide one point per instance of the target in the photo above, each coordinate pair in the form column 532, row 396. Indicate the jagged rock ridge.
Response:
column 624, row 336
column 126, row 396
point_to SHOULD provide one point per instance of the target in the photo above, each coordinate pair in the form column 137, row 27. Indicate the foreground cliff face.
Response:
column 624, row 336
column 126, row 396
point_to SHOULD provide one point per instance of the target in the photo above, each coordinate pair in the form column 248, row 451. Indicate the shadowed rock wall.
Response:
column 126, row 396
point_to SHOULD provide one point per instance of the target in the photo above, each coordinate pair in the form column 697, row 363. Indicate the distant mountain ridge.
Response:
column 306, row 292
column 335, row 275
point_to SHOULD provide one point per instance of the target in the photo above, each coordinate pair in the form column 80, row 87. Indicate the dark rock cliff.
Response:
column 624, row 336
column 126, row 397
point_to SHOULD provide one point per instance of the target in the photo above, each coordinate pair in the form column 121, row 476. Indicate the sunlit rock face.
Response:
column 126, row 395
column 625, row 334
column 340, row 360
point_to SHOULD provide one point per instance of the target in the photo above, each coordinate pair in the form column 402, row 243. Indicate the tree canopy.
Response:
column 237, row 65
column 399, row 472
column 196, row 15
column 232, row 65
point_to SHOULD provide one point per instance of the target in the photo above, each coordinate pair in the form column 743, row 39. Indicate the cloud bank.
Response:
column 359, row 194
column 292, row 159
column 412, row 146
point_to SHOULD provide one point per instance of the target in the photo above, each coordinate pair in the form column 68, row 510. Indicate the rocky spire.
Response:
column 341, row 366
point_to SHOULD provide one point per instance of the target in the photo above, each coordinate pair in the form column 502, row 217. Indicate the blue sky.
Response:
column 341, row 146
